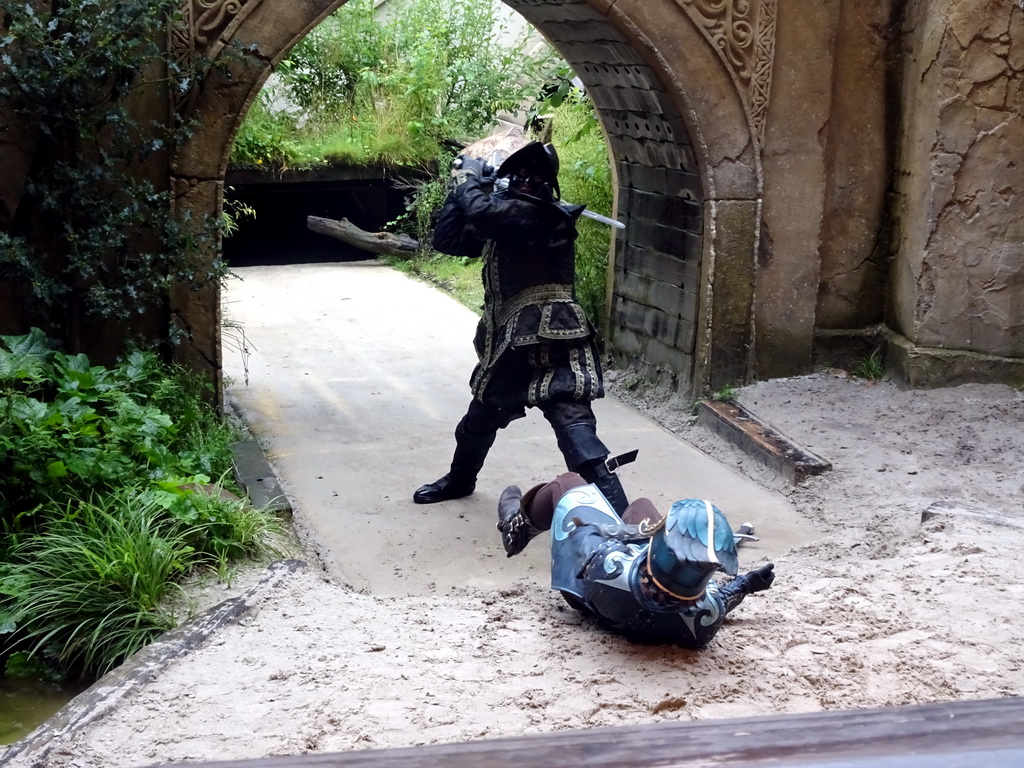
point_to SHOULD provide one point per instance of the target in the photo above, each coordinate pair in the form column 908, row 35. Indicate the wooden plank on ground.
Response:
column 950, row 508
column 760, row 440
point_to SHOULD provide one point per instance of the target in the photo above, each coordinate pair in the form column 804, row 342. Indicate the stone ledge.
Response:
column 255, row 475
column 921, row 367
column 761, row 441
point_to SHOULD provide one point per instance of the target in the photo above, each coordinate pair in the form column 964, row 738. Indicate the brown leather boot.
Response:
column 515, row 526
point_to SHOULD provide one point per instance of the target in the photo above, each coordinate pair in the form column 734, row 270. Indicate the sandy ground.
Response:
column 883, row 610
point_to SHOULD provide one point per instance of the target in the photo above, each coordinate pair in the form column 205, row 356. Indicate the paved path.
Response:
column 357, row 378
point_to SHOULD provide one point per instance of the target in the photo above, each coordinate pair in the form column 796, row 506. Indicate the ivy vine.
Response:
column 93, row 237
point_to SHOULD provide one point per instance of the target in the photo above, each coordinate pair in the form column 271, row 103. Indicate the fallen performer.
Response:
column 644, row 575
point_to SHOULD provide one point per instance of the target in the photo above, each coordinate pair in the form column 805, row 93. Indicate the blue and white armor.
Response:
column 597, row 563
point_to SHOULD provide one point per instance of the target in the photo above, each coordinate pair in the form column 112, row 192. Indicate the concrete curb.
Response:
column 254, row 473
column 107, row 692
column 758, row 439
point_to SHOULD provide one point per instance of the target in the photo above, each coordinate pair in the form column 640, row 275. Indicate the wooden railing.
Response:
column 973, row 734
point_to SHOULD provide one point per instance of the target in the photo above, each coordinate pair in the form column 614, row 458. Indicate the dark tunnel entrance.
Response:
column 277, row 233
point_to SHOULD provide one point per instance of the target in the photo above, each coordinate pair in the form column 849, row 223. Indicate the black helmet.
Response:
column 694, row 542
column 540, row 159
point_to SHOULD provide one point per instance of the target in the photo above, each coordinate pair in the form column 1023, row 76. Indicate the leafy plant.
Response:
column 106, row 503
column 23, row 665
column 70, row 427
column 93, row 239
column 871, row 367
column 727, row 394
column 234, row 209
column 424, row 201
column 268, row 136
column 222, row 527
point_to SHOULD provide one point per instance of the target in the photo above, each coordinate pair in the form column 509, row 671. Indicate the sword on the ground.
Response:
column 745, row 533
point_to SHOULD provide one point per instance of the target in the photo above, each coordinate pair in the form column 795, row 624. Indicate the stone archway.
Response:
column 680, row 87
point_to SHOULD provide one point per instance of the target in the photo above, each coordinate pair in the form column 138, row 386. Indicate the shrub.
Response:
column 69, row 427
column 585, row 178
column 359, row 89
column 106, row 504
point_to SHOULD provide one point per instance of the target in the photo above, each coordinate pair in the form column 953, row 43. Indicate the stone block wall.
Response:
column 800, row 179
column 957, row 287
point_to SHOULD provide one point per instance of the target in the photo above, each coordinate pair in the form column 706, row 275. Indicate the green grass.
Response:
column 102, row 581
column 90, row 592
column 456, row 275
column 377, row 136
column 373, row 141
column 871, row 367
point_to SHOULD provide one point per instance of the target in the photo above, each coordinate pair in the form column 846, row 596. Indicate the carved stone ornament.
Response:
column 195, row 36
column 729, row 25
column 743, row 33
column 764, row 60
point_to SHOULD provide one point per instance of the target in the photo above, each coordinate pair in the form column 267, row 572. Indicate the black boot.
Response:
column 444, row 488
column 608, row 484
column 470, row 453
column 517, row 530
column 585, row 454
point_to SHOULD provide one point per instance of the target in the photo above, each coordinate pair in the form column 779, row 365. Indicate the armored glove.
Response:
column 757, row 580
column 760, row 579
column 466, row 166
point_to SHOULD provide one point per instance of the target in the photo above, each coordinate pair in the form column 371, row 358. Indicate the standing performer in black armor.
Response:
column 641, row 574
column 534, row 344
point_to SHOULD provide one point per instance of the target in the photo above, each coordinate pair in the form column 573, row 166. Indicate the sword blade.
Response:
column 502, row 183
column 604, row 219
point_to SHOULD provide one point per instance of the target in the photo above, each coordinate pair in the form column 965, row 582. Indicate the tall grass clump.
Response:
column 871, row 367
column 107, row 504
column 92, row 590
column 101, row 582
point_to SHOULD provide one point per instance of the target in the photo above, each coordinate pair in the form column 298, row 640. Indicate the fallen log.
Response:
column 374, row 242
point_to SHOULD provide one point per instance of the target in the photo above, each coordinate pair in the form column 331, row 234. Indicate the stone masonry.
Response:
column 802, row 181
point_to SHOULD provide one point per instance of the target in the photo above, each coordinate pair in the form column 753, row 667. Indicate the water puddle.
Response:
column 27, row 704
